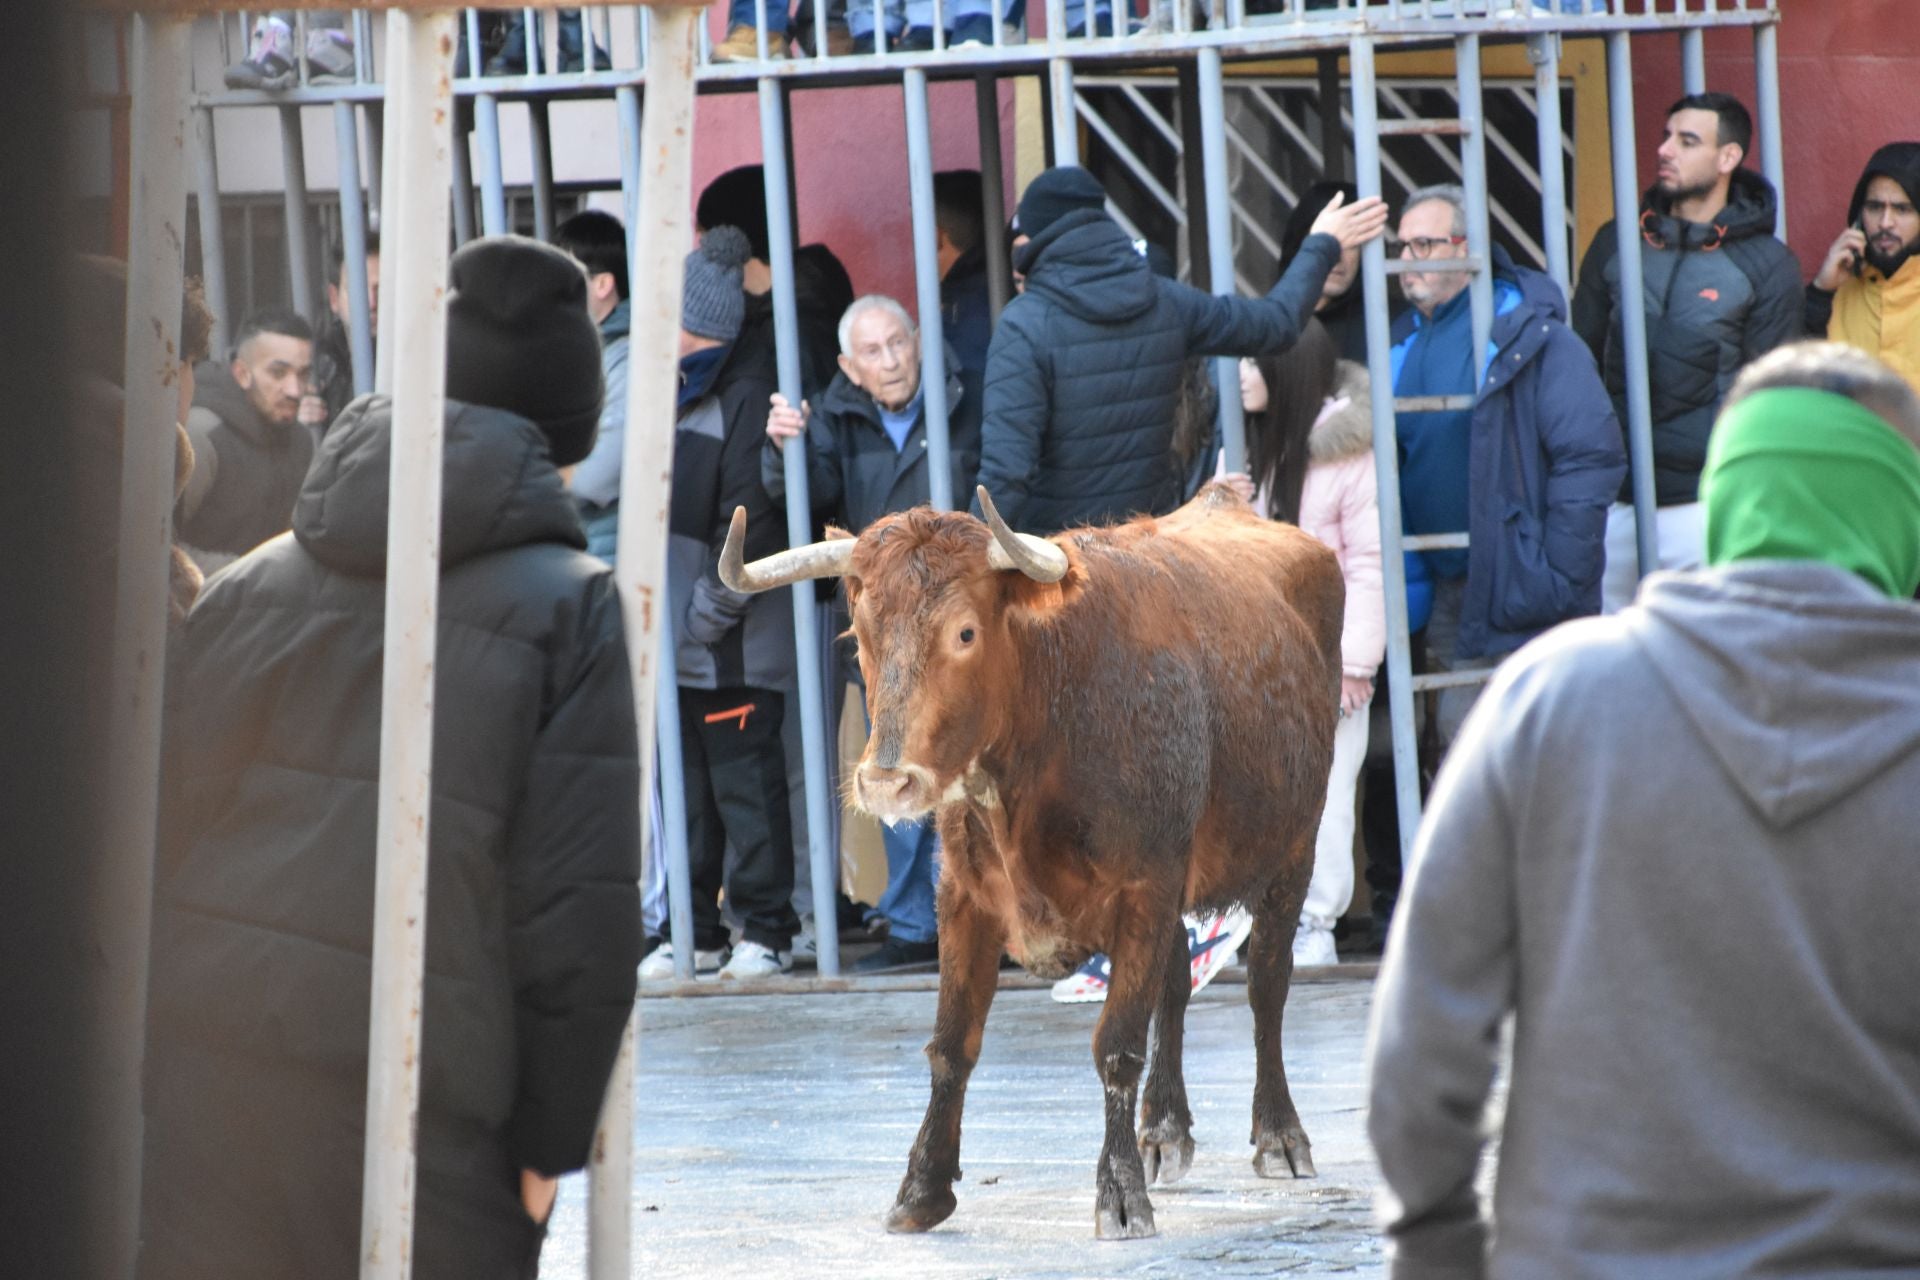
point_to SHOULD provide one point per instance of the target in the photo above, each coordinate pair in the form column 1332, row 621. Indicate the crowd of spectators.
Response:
column 1089, row 399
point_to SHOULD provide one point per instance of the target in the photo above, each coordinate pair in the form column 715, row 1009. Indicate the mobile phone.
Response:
column 1859, row 257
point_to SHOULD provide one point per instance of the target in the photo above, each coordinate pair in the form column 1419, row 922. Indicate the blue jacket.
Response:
column 1545, row 462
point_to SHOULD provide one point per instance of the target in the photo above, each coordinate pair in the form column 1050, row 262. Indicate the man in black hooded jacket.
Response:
column 1721, row 291
column 256, row 1086
column 1085, row 367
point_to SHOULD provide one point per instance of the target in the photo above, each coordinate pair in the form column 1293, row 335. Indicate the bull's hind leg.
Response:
column 1144, row 934
column 1166, row 1123
column 970, row 942
column 1280, row 1146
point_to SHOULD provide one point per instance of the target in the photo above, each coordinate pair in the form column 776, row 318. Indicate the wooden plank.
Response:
column 196, row 8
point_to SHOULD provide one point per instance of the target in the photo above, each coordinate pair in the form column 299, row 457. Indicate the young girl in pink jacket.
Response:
column 1310, row 459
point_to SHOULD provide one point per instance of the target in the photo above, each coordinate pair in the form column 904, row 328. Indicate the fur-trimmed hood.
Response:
column 1348, row 431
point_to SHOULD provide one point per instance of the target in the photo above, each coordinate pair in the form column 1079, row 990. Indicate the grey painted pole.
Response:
column 1766, row 71
column 460, row 179
column 424, row 60
column 1386, row 451
column 662, row 232
column 1633, row 299
column 1066, row 122
column 540, row 140
column 353, row 243
column 926, row 272
column 1693, row 60
column 1473, row 173
column 213, row 245
column 1544, row 52
column 671, row 760
column 825, row 865
column 493, row 182
column 993, row 194
column 293, row 160
column 160, row 69
column 376, row 113
column 1213, row 159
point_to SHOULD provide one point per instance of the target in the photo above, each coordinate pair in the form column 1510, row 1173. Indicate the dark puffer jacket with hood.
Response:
column 1717, row 298
column 1085, row 369
column 257, row 1066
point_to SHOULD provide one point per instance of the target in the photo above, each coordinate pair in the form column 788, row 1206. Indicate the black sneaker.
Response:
column 895, row 954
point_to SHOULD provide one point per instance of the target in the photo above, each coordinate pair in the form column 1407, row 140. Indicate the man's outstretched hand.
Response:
column 1352, row 224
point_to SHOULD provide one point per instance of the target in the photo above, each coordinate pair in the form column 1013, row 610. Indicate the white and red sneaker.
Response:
column 1087, row 984
column 1213, row 941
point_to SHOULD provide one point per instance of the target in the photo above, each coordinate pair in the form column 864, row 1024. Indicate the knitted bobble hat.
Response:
column 714, row 306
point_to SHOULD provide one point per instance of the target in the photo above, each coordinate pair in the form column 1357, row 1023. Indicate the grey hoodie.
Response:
column 1678, row 844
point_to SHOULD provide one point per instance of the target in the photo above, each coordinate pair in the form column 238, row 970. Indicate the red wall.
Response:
column 850, row 165
column 1849, row 82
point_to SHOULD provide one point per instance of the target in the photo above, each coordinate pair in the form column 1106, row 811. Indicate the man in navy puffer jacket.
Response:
column 1085, row 366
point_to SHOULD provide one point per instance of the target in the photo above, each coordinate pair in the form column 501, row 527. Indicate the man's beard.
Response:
column 1680, row 195
column 1889, row 264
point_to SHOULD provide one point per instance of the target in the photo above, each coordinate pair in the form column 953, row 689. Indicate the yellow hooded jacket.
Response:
column 1881, row 316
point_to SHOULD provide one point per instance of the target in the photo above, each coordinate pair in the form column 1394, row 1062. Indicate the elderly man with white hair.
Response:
column 867, row 455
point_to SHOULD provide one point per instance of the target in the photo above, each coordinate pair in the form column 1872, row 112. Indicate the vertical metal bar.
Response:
column 1193, row 179
column 353, row 243
column 419, row 274
column 926, row 272
column 161, row 80
column 1473, row 173
column 1693, row 60
column 540, row 139
column 293, row 159
column 1066, row 119
column 376, row 155
column 1766, row 71
column 396, row 107
column 1333, row 135
column 470, row 22
column 462, row 176
column 626, row 101
column 1633, row 301
column 1213, row 159
column 672, row 766
column 1057, row 23
column 532, row 29
column 786, row 326
column 493, row 182
column 1386, row 449
column 213, row 245
column 993, row 194
column 362, row 47
column 1544, row 52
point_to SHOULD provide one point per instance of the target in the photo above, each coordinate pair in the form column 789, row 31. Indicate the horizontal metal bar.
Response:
column 1434, row 542
column 1434, row 128
column 1424, row 266
column 1452, row 679
column 1431, row 404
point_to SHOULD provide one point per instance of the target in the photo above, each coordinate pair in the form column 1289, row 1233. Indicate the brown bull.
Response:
column 1110, row 726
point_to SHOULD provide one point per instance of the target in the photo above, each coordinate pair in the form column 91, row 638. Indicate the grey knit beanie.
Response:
column 714, row 305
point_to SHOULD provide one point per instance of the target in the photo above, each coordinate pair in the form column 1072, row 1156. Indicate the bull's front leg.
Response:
column 970, row 944
column 1139, row 955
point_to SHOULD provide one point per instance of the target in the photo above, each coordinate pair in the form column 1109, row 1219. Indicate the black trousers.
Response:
column 737, row 804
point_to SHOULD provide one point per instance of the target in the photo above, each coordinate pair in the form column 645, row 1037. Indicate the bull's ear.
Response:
column 836, row 534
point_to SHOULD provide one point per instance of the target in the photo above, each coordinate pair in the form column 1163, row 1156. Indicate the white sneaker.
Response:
column 751, row 960
column 1313, row 947
column 1087, row 984
column 659, row 965
column 806, row 950
column 1212, row 942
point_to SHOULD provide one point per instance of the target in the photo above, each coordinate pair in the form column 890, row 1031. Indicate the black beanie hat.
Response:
column 520, row 338
column 1056, row 193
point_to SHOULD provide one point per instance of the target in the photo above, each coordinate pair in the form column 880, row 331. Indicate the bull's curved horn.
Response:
column 1036, row 557
column 816, row 560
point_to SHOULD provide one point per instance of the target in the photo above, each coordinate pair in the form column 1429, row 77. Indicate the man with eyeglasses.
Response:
column 1867, row 293
column 1720, row 292
column 1526, row 472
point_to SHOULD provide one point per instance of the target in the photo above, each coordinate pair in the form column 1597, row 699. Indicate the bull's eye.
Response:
column 966, row 635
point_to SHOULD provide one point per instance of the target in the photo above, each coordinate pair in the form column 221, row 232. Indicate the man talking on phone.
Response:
column 1867, row 292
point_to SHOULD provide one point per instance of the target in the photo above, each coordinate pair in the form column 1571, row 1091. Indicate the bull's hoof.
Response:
column 1132, row 1219
column 1286, row 1155
column 1166, row 1153
column 922, row 1214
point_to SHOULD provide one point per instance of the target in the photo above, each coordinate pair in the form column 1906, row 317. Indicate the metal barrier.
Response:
column 415, row 161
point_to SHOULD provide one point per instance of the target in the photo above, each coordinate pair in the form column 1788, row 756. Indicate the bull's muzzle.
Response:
column 893, row 795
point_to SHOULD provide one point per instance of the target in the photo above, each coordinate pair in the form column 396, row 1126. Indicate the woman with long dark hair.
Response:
column 1310, row 462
